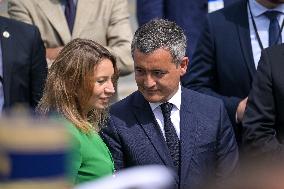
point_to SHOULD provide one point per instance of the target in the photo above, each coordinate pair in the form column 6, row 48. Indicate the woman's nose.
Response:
column 110, row 88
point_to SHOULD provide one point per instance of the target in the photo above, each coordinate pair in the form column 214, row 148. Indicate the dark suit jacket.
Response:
column 263, row 124
column 24, row 63
column 208, row 147
column 189, row 14
column 223, row 64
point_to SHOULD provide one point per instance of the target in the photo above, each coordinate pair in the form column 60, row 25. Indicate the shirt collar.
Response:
column 258, row 9
column 175, row 100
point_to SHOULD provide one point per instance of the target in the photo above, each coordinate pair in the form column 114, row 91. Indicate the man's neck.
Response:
column 270, row 4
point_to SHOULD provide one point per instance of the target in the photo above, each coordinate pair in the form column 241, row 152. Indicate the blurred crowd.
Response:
column 207, row 111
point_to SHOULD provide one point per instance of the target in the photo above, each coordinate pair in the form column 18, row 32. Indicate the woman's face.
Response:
column 103, row 87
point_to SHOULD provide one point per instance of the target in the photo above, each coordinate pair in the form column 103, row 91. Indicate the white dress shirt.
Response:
column 175, row 113
column 262, row 25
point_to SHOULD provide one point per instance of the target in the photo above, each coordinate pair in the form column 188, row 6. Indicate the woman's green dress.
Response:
column 91, row 158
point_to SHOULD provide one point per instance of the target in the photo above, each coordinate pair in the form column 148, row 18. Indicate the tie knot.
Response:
column 271, row 14
column 166, row 108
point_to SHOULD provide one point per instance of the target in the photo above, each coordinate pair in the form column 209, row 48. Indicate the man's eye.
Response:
column 138, row 71
column 159, row 73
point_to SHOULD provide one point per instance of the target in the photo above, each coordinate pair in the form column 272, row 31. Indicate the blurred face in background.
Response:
column 103, row 87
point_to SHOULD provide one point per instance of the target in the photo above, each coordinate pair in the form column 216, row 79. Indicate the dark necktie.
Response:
column 70, row 12
column 274, row 28
column 172, row 139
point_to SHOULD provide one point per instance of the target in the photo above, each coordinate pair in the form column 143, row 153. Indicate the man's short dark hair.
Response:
column 160, row 33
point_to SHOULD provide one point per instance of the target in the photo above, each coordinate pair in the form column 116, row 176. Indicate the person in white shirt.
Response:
column 166, row 124
column 228, row 50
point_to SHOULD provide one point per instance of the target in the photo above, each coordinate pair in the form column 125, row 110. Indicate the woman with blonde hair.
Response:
column 79, row 86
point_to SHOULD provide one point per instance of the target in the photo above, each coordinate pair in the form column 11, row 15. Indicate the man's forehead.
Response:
column 157, row 53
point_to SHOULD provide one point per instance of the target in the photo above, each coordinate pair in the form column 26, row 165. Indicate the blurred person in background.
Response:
column 228, row 50
column 60, row 21
column 189, row 14
column 264, row 116
column 255, row 176
column 78, row 87
column 23, row 66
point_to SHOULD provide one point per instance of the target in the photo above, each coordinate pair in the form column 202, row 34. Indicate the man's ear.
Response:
column 184, row 65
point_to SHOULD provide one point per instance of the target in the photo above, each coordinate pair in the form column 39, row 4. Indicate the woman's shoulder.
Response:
column 71, row 128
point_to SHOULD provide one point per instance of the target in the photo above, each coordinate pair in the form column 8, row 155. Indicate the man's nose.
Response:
column 149, row 81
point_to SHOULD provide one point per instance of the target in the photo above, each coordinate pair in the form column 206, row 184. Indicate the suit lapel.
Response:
column 188, row 130
column 53, row 11
column 244, row 36
column 146, row 119
column 83, row 15
column 7, row 62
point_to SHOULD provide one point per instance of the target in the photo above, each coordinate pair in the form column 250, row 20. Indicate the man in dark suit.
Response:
column 228, row 51
column 264, row 116
column 164, row 123
column 23, row 66
column 189, row 14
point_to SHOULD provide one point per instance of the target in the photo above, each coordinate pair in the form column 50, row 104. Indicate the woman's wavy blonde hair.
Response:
column 69, row 83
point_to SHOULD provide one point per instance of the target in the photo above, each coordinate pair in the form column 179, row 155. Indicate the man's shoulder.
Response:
column 230, row 11
column 197, row 96
column 25, row 34
column 127, row 102
column 26, row 4
column 16, row 25
column 201, row 102
column 107, row 3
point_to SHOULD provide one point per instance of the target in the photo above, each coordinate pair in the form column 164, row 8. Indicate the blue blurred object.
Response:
column 33, row 153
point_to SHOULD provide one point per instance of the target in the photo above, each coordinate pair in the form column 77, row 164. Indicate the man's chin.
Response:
column 153, row 99
column 275, row 1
